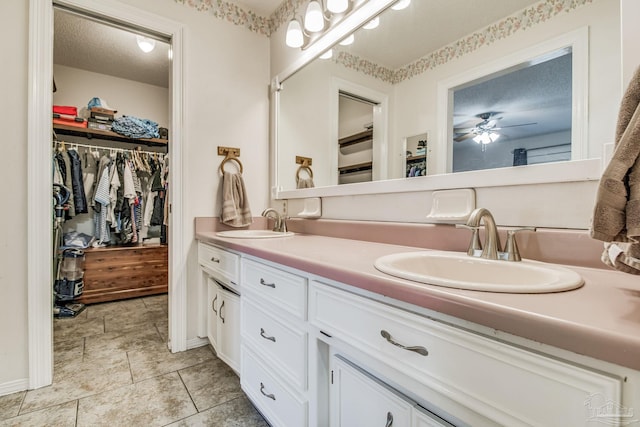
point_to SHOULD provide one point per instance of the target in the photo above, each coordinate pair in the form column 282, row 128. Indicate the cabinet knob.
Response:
column 270, row 285
column 416, row 349
column 214, row 259
column 266, row 337
column 270, row 396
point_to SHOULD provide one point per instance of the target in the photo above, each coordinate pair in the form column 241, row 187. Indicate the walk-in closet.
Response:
column 110, row 162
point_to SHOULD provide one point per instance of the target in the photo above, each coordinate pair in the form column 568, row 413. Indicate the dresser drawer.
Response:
column 225, row 266
column 281, row 407
column 279, row 289
column 504, row 383
column 283, row 346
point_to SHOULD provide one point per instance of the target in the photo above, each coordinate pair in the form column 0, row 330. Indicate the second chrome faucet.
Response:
column 280, row 222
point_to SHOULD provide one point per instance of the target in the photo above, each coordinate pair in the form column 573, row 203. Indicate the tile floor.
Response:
column 112, row 368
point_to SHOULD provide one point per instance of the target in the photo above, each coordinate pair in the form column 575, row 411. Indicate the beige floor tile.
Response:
column 157, row 301
column 114, row 308
column 68, row 351
column 211, row 383
column 10, row 404
column 158, row 360
column 98, row 347
column 153, row 402
column 163, row 329
column 57, row 416
column 72, row 381
column 235, row 413
column 133, row 319
column 74, row 328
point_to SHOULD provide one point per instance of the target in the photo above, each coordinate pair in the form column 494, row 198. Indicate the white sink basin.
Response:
column 253, row 234
column 459, row 270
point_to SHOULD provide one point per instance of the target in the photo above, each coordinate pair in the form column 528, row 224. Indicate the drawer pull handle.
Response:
column 213, row 305
column 262, row 334
column 263, row 283
column 214, row 259
column 417, row 349
column 270, row 396
column 221, row 307
column 389, row 420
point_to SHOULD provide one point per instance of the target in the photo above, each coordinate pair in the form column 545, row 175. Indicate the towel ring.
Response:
column 307, row 168
column 226, row 160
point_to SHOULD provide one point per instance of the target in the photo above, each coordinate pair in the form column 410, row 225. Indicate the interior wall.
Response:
column 226, row 78
column 14, row 18
column 76, row 87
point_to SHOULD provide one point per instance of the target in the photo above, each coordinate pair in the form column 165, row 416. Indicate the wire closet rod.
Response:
column 98, row 147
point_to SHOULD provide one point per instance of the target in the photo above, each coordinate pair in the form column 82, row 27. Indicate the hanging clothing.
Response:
column 77, row 184
column 89, row 171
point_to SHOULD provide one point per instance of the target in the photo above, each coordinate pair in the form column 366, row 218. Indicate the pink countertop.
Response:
column 601, row 319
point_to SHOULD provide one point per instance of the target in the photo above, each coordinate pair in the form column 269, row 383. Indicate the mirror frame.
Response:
column 570, row 171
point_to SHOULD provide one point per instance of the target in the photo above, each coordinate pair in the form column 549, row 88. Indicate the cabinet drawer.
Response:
column 286, row 347
column 475, row 371
column 279, row 289
column 225, row 266
column 280, row 406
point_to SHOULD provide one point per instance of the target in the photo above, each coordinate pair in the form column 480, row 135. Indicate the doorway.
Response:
column 40, row 181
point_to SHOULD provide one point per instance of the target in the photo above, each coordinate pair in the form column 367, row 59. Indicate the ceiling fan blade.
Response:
column 463, row 137
column 469, row 123
column 463, row 130
column 522, row 124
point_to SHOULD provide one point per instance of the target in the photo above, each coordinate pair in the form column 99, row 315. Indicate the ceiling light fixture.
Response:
column 401, row 4
column 486, row 137
column 145, row 44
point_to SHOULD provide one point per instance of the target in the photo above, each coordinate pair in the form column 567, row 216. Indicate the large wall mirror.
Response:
column 484, row 87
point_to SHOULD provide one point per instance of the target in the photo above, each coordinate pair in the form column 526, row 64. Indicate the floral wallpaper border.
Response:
column 508, row 26
column 527, row 18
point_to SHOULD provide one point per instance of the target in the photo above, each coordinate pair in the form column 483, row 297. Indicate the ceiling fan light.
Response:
column 477, row 139
column 294, row 37
column 314, row 18
column 494, row 136
column 337, row 6
column 372, row 24
column 401, row 4
column 145, row 44
column 347, row 41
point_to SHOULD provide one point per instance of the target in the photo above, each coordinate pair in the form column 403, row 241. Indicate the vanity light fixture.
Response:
column 328, row 54
column 337, row 6
column 348, row 40
column 294, row 37
column 372, row 24
column 401, row 4
column 310, row 26
column 145, row 44
column 314, row 17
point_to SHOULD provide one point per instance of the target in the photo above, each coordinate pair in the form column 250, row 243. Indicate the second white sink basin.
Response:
column 253, row 234
column 459, row 270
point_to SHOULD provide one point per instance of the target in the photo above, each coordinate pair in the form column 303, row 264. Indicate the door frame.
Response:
column 39, row 179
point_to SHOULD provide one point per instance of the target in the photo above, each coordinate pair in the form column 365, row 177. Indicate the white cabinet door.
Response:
column 229, row 328
column 212, row 312
column 358, row 399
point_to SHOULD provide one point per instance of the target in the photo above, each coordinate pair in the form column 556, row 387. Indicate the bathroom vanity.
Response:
column 327, row 340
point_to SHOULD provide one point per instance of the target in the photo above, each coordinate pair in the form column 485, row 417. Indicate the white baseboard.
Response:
column 197, row 342
column 14, row 386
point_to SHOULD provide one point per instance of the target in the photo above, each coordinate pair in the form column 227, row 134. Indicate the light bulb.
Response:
column 372, row 24
column 494, row 136
column 401, row 4
column 145, row 44
column 313, row 18
column 328, row 54
column 294, row 37
column 350, row 38
column 337, row 6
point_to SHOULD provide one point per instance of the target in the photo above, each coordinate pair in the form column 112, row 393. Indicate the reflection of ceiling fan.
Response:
column 483, row 129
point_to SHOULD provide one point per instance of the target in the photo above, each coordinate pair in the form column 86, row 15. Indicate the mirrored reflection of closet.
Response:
column 94, row 59
column 355, row 139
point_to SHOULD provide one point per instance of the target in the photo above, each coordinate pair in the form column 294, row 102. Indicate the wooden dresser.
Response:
column 120, row 272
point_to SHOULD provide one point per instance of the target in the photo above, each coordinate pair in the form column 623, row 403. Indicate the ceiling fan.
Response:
column 482, row 129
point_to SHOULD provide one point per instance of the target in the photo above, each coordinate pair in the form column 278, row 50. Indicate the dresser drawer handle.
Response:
column 262, row 334
column 270, row 396
column 213, row 305
column 417, row 349
column 389, row 420
column 214, row 259
column 263, row 283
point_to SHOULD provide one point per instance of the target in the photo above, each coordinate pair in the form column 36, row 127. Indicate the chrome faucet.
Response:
column 491, row 248
column 280, row 224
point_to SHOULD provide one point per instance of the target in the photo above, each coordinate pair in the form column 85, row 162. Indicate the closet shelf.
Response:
column 416, row 158
column 360, row 167
column 356, row 138
column 105, row 134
